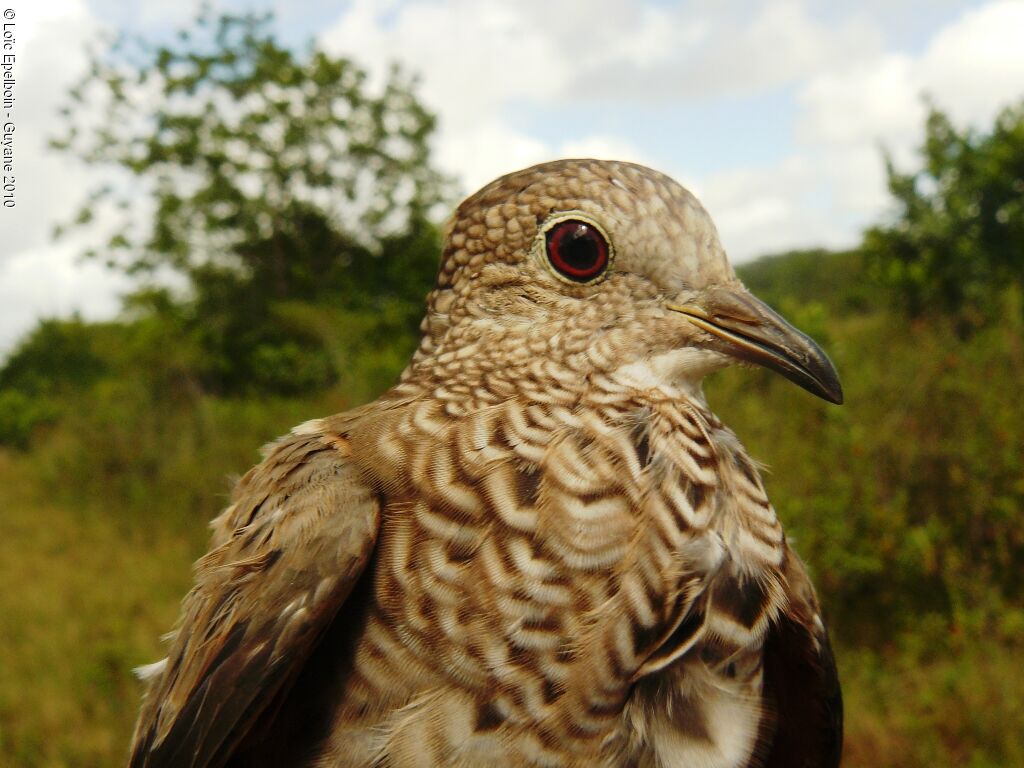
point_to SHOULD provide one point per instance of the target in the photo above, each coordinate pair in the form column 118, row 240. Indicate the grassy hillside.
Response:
column 906, row 502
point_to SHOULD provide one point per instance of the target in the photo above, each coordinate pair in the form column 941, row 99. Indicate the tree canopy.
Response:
column 256, row 176
column 954, row 245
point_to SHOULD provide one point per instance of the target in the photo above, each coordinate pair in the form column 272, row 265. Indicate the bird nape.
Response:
column 540, row 547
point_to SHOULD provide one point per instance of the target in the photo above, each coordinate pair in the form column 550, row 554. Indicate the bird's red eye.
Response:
column 577, row 250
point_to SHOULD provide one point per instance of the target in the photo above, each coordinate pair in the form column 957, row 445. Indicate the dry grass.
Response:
column 84, row 599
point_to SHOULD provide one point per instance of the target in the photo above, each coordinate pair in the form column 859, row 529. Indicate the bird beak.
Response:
column 748, row 329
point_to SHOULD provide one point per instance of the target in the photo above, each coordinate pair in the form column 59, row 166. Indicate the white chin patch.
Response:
column 680, row 370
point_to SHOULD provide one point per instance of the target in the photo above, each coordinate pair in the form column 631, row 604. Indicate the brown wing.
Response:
column 801, row 683
column 286, row 554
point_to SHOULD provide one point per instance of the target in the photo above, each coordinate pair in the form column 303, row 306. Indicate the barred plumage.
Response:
column 540, row 548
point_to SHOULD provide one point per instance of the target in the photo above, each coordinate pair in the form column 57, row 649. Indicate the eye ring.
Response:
column 576, row 248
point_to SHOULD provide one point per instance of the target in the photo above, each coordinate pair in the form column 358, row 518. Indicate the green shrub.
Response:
column 21, row 414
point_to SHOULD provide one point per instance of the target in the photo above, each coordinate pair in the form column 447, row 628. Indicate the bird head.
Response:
column 601, row 267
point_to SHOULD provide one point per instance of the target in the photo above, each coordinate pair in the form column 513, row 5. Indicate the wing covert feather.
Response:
column 284, row 558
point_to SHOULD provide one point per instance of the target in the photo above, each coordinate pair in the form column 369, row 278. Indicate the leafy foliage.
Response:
column 956, row 241
column 67, row 346
column 258, row 176
column 20, row 415
column 56, row 358
column 910, row 509
column 812, row 277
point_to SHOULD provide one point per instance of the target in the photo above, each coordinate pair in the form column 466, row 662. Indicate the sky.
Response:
column 774, row 113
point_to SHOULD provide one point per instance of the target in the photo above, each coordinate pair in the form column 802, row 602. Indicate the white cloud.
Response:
column 484, row 60
column 972, row 67
column 486, row 151
column 481, row 59
column 728, row 50
column 148, row 16
column 603, row 147
column 773, row 208
column 37, row 277
column 163, row 16
column 478, row 58
column 870, row 102
column 50, row 281
column 49, row 56
column 477, row 55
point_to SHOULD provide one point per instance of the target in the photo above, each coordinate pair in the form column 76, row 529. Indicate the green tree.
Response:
column 957, row 241
column 260, row 176
column 64, row 345
column 30, row 393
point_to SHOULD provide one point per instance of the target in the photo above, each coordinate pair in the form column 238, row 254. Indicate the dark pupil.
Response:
column 576, row 250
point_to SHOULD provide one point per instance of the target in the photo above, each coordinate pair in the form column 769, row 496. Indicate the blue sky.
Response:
column 772, row 112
